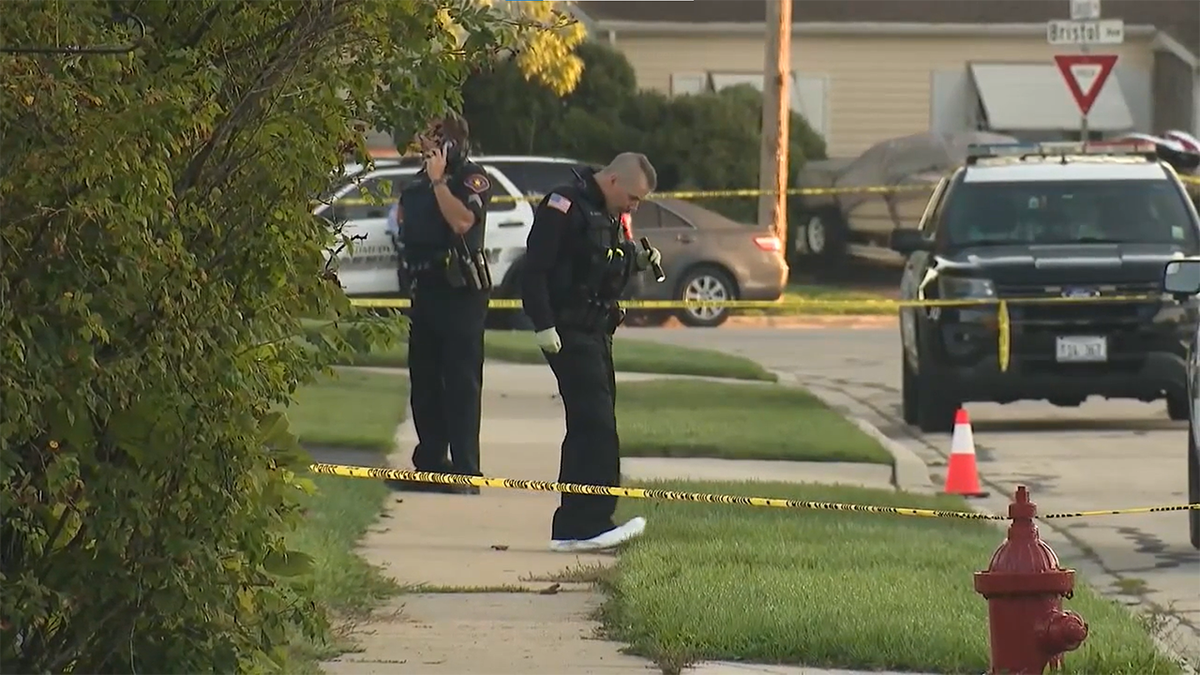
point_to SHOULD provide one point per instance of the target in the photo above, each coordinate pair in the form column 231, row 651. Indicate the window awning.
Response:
column 1033, row 96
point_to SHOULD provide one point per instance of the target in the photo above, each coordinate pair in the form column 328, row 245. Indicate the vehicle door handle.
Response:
column 510, row 223
column 685, row 238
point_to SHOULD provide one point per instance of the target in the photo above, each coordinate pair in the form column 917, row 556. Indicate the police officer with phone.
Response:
column 444, row 212
column 578, row 261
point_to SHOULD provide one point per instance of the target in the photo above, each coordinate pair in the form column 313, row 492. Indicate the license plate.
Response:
column 1082, row 349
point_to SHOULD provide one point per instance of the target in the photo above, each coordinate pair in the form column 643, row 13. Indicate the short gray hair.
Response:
column 628, row 165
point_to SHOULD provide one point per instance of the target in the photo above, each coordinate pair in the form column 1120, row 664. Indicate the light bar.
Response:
column 1003, row 149
column 1119, row 148
column 976, row 151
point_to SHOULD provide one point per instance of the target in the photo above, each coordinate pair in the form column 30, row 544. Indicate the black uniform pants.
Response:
column 445, row 367
column 591, row 448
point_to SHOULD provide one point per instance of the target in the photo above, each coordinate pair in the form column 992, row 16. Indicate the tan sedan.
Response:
column 707, row 256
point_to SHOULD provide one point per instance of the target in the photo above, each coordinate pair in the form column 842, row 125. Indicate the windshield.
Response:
column 1124, row 211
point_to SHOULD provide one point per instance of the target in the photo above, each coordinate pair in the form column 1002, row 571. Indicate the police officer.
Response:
column 578, row 261
column 444, row 212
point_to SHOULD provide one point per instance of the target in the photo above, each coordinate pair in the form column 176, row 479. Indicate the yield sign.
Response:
column 1085, row 75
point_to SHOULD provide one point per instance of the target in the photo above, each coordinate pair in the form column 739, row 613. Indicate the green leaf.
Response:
column 132, row 429
column 70, row 424
column 272, row 427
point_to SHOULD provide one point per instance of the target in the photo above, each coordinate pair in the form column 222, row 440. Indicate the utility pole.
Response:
column 773, row 157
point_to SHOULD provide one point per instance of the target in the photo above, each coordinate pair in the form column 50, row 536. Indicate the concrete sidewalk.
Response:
column 489, row 545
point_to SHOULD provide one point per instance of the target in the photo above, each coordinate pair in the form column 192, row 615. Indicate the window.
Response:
column 1112, row 211
column 670, row 219
column 953, row 104
column 808, row 93
column 535, row 179
column 371, row 198
column 502, row 200
column 688, row 83
column 647, row 217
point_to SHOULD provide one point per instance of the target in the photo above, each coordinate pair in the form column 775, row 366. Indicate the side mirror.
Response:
column 1181, row 278
column 907, row 241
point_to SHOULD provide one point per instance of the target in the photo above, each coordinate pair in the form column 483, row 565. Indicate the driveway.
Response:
column 1102, row 455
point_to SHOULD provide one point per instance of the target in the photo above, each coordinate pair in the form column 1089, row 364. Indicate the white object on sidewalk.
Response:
column 605, row 540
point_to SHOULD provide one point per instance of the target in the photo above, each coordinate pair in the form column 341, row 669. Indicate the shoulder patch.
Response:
column 477, row 182
column 559, row 202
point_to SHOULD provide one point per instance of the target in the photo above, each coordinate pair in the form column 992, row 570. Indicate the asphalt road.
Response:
column 1101, row 455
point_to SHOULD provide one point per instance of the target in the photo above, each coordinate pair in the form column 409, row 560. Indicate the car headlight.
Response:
column 960, row 287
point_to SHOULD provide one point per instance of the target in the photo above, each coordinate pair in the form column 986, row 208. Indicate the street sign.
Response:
column 1085, row 10
column 1085, row 75
column 1091, row 32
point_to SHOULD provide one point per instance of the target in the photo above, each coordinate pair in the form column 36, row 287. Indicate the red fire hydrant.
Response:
column 1024, row 587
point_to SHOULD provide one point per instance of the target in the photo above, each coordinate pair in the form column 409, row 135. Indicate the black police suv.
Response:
column 1067, row 221
column 1181, row 279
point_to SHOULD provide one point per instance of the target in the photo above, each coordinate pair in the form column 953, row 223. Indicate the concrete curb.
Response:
column 810, row 321
column 909, row 472
column 813, row 321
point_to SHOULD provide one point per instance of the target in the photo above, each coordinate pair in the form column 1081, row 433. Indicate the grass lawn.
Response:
column 675, row 418
column 861, row 302
column 352, row 410
column 637, row 356
column 829, row 589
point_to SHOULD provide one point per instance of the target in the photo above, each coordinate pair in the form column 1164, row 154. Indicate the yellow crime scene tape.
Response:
column 380, row 473
column 791, row 303
column 755, row 192
column 1003, row 322
column 1191, row 181
column 686, row 194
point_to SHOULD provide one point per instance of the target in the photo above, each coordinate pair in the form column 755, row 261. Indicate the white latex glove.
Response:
column 648, row 257
column 548, row 340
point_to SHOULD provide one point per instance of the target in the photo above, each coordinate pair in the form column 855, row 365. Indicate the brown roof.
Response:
column 1179, row 18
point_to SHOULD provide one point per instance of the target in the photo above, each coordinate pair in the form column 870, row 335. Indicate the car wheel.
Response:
column 908, row 390
column 815, row 236
column 705, row 283
column 936, row 405
column 1178, row 407
column 825, row 236
column 1193, row 489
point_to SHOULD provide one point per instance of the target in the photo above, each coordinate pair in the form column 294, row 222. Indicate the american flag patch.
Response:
column 559, row 202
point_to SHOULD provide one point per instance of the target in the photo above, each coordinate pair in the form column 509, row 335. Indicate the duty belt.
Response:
column 427, row 261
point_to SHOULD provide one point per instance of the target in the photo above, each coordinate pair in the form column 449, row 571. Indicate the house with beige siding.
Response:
column 868, row 70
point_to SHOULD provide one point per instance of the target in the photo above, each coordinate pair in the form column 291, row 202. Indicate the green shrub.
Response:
column 158, row 255
column 706, row 141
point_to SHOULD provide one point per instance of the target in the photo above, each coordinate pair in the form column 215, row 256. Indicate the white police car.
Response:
column 364, row 200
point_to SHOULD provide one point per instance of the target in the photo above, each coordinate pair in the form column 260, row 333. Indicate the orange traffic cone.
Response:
column 962, row 476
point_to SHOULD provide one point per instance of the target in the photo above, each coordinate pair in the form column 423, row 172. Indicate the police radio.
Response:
column 468, row 269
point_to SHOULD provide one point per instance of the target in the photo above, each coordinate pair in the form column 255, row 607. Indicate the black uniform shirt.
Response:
column 557, row 244
column 426, row 234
